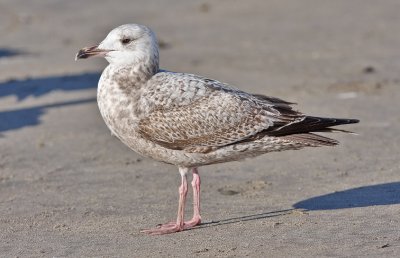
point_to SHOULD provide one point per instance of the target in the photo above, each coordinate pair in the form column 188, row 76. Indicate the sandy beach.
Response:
column 68, row 188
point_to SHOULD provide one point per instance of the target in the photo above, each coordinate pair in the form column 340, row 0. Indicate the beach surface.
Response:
column 68, row 188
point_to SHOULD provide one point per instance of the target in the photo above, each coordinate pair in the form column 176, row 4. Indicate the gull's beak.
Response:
column 90, row 51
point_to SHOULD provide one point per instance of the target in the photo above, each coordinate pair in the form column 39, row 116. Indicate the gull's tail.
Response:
column 303, row 130
column 313, row 124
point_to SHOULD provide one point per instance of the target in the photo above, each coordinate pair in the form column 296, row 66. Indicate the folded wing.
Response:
column 220, row 117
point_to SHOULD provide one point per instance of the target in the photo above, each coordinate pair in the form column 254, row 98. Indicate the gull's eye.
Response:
column 125, row 41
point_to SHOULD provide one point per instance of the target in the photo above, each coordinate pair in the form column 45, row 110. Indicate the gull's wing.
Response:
column 199, row 115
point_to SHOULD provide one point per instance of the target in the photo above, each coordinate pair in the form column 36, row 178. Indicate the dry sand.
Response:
column 70, row 189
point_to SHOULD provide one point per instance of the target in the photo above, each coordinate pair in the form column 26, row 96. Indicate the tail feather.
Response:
column 310, row 139
column 311, row 124
column 334, row 130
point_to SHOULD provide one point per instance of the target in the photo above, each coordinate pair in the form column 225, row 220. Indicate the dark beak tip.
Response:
column 86, row 52
column 80, row 55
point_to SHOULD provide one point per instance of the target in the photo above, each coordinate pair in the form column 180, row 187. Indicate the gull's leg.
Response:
column 196, row 201
column 179, row 225
column 183, row 189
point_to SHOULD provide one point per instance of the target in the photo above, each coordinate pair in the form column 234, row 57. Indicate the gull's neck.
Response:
column 136, row 73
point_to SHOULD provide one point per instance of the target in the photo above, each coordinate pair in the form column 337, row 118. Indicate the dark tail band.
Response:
column 312, row 124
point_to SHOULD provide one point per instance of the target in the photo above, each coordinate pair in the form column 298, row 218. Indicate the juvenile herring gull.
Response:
column 188, row 120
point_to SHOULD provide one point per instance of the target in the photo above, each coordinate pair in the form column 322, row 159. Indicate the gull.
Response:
column 189, row 120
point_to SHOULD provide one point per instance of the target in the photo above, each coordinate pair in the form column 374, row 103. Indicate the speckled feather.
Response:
column 188, row 120
column 196, row 114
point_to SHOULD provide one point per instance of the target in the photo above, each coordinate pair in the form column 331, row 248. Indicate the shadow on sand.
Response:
column 21, row 89
column 381, row 194
column 263, row 215
column 19, row 118
column 37, row 87
column 7, row 52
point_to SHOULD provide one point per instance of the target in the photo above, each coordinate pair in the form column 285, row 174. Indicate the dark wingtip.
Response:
column 312, row 124
column 333, row 121
column 353, row 121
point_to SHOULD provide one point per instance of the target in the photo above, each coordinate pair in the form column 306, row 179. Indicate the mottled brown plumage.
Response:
column 188, row 120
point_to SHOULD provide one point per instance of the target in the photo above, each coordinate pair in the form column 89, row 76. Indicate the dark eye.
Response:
column 126, row 41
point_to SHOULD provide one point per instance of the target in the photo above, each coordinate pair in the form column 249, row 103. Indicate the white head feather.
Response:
column 129, row 45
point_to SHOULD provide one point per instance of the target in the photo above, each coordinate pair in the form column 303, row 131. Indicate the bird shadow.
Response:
column 36, row 87
column 258, row 216
column 19, row 118
column 365, row 196
column 7, row 52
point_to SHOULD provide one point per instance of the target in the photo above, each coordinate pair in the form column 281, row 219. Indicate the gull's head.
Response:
column 125, row 45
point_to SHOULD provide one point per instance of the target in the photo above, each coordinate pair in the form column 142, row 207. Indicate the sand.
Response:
column 70, row 189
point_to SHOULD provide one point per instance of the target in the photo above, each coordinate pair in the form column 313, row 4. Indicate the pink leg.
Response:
column 196, row 201
column 179, row 225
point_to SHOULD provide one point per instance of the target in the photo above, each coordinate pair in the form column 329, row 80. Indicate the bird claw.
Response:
column 163, row 229
column 172, row 227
